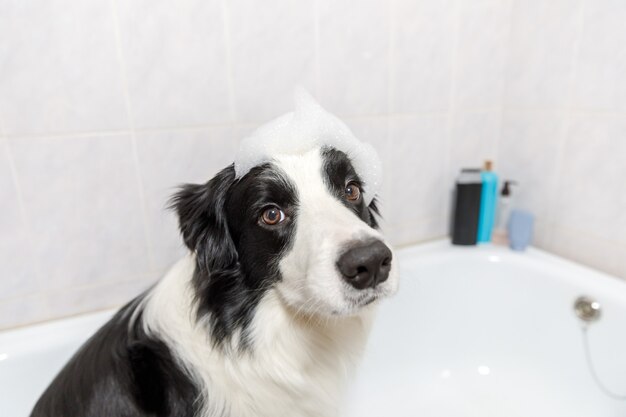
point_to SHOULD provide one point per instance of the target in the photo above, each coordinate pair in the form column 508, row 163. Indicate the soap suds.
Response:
column 307, row 127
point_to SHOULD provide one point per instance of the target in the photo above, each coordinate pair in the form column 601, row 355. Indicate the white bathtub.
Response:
column 472, row 332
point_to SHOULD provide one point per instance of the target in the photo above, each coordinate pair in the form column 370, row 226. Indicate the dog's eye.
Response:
column 272, row 216
column 352, row 191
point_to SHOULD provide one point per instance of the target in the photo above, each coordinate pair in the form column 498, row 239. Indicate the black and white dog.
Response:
column 270, row 311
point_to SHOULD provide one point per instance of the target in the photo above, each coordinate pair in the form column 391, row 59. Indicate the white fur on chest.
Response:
column 297, row 366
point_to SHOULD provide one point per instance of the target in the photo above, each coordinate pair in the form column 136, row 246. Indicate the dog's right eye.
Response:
column 352, row 192
column 272, row 216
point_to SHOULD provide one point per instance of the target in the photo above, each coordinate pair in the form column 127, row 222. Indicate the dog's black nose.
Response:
column 367, row 265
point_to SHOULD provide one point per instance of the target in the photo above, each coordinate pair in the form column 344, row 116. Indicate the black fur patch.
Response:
column 120, row 371
column 338, row 172
column 236, row 254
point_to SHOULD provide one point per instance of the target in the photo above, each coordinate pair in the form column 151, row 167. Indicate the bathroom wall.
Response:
column 107, row 105
column 563, row 133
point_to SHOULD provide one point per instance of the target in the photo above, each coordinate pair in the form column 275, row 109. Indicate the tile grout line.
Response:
column 133, row 136
column 104, row 133
column 146, row 277
column 38, row 322
column 230, row 79
column 249, row 123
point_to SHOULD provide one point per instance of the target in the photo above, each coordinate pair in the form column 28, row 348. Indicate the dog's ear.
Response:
column 204, row 226
column 202, row 221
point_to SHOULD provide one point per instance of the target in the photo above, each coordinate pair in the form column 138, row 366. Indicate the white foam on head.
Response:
column 307, row 127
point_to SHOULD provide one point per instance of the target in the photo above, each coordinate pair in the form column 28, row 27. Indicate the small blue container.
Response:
column 488, row 200
column 520, row 229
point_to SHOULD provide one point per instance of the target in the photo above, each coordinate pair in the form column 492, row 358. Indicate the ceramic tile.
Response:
column 422, row 57
column 59, row 70
column 589, row 250
column 589, row 196
column 82, row 203
column 528, row 153
column 19, row 272
column 354, row 53
column 22, row 311
column 416, row 231
column 73, row 301
column 541, row 50
column 273, row 51
column 542, row 234
column 374, row 131
column 176, row 60
column 414, row 188
column 168, row 160
column 601, row 60
column 474, row 140
column 481, row 53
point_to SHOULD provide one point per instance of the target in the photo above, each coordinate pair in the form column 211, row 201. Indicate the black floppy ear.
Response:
column 217, row 279
column 202, row 221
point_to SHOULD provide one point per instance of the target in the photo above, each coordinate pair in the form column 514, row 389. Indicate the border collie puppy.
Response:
column 269, row 312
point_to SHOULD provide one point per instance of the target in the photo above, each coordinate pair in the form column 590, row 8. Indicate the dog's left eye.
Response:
column 272, row 216
column 352, row 192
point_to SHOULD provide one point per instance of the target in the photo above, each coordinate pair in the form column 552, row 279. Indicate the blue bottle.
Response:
column 488, row 200
column 520, row 229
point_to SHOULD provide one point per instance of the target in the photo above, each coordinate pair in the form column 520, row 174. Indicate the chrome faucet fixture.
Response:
column 586, row 309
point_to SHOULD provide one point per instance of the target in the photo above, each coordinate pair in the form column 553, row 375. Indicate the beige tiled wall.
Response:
column 110, row 104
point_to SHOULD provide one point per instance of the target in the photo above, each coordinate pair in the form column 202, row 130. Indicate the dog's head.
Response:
column 301, row 224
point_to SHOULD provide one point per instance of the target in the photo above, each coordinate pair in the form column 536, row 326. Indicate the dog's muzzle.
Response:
column 365, row 266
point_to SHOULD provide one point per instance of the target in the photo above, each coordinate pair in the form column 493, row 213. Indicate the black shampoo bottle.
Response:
column 467, row 207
